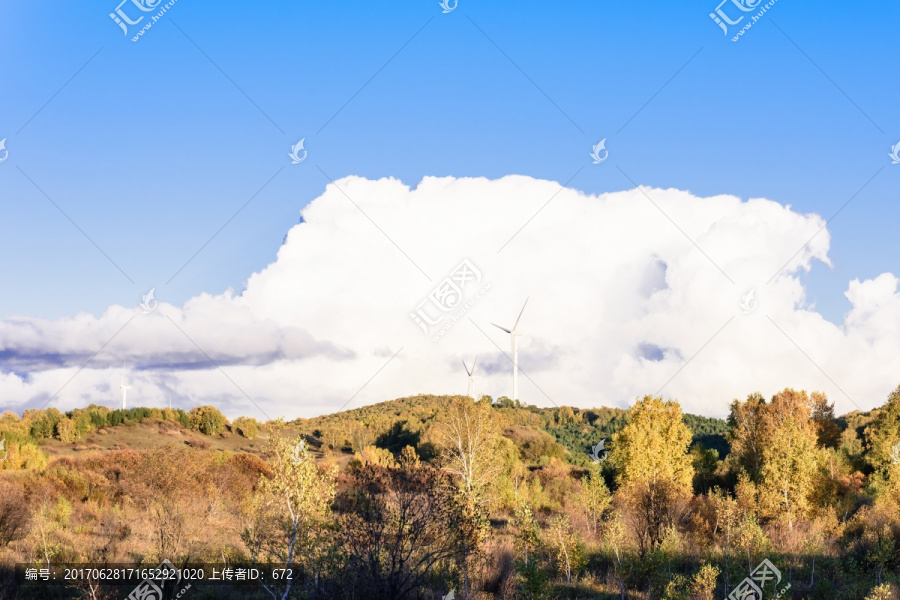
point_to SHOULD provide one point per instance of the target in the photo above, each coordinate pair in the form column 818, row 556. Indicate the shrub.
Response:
column 882, row 592
column 246, row 426
column 14, row 516
column 208, row 420
column 197, row 443
column 703, row 583
column 24, row 455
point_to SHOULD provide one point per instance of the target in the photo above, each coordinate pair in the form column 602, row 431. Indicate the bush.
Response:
column 197, row 443
column 14, row 515
column 703, row 583
column 208, row 420
column 246, row 426
column 882, row 592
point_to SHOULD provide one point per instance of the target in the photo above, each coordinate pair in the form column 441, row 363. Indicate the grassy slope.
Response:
column 416, row 414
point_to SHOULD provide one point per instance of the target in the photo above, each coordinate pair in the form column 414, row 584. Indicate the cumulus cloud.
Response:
column 383, row 289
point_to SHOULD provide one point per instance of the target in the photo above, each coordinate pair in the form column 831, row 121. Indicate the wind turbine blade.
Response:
column 475, row 362
column 469, row 373
column 516, row 326
column 503, row 328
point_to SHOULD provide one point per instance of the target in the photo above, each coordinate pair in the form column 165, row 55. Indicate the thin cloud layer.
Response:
column 384, row 289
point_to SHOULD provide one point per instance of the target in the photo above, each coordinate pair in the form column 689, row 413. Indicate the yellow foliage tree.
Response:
column 594, row 499
column 655, row 468
column 883, row 437
column 563, row 542
column 469, row 437
column 65, row 430
column 298, row 495
column 789, row 457
column 746, row 433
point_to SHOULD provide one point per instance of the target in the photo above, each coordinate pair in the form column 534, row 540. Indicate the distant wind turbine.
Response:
column 513, row 334
column 471, row 374
column 124, row 389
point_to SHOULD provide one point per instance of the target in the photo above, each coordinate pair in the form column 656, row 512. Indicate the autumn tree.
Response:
column 361, row 437
column 248, row 427
column 528, row 538
column 208, row 420
column 654, row 468
column 565, row 416
column 789, row 456
column 746, row 433
column 568, row 553
column 469, row 439
column 334, row 434
column 65, row 430
column 531, row 577
column 469, row 436
column 827, row 430
column 594, row 499
column 398, row 527
column 298, row 497
column 883, row 435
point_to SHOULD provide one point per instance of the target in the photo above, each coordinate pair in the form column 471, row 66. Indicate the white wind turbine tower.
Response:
column 124, row 389
column 513, row 334
column 471, row 374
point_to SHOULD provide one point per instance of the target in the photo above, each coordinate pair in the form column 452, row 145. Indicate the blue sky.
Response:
column 151, row 147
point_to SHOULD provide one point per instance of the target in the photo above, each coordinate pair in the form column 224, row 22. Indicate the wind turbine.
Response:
column 471, row 374
column 513, row 334
column 124, row 389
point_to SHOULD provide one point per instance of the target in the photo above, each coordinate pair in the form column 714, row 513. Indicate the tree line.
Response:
column 415, row 498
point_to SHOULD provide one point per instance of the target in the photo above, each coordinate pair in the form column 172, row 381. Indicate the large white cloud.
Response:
column 631, row 293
